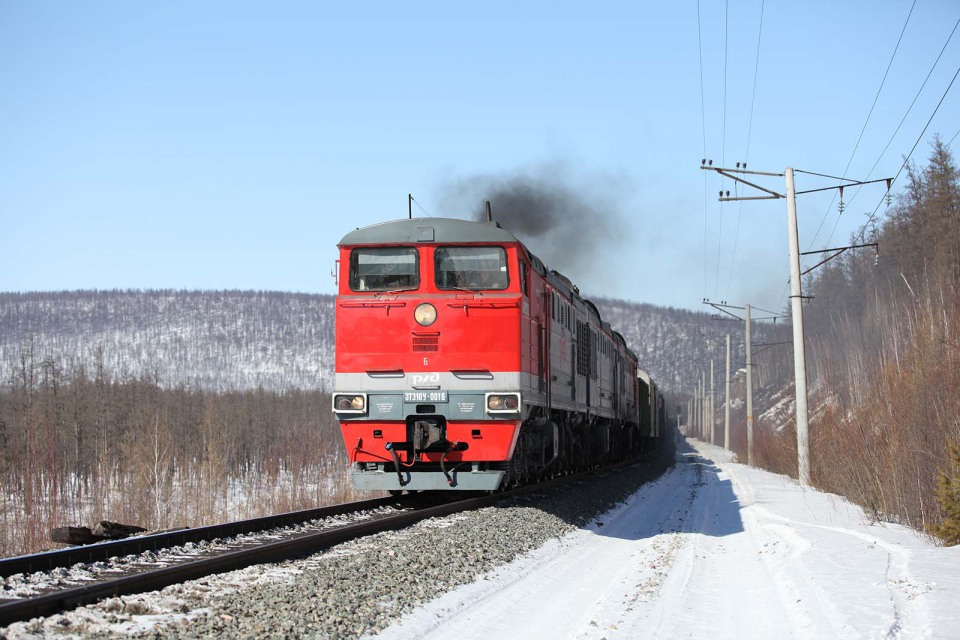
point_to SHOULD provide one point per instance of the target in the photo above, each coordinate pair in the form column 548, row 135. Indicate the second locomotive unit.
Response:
column 462, row 362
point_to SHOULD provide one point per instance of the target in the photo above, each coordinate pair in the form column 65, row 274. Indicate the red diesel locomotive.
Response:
column 463, row 362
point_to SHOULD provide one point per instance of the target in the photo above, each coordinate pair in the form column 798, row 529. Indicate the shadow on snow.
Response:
column 678, row 491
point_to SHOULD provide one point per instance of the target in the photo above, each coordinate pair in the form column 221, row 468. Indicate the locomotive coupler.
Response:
column 426, row 434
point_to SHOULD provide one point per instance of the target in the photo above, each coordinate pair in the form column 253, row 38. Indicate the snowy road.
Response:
column 713, row 549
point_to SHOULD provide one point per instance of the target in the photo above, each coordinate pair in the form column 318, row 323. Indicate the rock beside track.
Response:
column 358, row 587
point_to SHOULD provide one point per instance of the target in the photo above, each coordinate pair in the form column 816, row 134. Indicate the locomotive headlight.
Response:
column 503, row 402
column 425, row 314
column 350, row 402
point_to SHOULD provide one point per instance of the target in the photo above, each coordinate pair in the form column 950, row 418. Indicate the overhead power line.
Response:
column 753, row 98
column 703, row 109
column 953, row 138
column 920, row 137
column 903, row 119
column 703, row 123
column 723, row 145
column 746, row 155
column 867, row 121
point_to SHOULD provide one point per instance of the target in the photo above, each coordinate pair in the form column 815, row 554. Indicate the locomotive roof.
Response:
column 428, row 230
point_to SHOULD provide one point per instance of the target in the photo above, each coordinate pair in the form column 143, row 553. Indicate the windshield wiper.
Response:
column 378, row 294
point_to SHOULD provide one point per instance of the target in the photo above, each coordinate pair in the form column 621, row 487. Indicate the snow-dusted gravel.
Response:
column 355, row 588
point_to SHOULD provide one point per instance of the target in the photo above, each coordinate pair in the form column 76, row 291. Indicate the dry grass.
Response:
column 886, row 409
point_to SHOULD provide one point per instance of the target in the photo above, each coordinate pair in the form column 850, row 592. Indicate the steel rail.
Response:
column 47, row 560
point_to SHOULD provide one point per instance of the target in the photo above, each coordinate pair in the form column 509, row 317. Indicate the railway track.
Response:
column 194, row 553
column 235, row 548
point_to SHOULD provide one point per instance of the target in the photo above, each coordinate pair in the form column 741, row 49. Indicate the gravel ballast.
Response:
column 355, row 588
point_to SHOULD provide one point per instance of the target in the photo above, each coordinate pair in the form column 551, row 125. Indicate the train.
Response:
column 464, row 363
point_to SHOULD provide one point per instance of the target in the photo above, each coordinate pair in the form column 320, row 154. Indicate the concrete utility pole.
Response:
column 696, row 402
column 799, row 353
column 726, row 404
column 749, row 394
column 723, row 307
column 713, row 393
column 694, row 417
column 796, row 296
column 703, row 405
column 698, row 417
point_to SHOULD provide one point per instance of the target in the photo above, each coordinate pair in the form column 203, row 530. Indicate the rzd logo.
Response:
column 421, row 379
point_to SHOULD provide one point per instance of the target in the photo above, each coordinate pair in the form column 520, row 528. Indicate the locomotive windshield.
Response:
column 471, row 268
column 384, row 269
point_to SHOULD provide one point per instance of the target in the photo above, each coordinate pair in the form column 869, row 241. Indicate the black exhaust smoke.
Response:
column 570, row 220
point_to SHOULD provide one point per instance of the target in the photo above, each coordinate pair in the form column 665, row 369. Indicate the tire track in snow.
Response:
column 906, row 615
column 719, row 573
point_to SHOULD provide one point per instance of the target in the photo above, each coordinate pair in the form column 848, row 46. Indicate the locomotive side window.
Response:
column 471, row 268
column 384, row 269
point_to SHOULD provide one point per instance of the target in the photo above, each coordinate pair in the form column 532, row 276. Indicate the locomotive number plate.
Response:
column 425, row 396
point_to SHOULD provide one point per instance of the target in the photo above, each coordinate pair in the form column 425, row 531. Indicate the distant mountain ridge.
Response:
column 235, row 340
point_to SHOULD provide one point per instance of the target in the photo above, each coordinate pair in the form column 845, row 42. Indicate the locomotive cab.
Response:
column 428, row 354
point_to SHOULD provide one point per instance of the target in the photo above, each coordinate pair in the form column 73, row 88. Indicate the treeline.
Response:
column 883, row 348
column 78, row 446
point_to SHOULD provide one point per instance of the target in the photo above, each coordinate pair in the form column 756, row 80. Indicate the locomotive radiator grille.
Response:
column 426, row 342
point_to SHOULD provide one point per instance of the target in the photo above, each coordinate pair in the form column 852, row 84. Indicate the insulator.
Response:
column 710, row 163
column 703, row 162
column 721, row 193
column 728, row 193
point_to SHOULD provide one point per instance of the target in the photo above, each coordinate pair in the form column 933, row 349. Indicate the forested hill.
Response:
column 217, row 340
column 234, row 340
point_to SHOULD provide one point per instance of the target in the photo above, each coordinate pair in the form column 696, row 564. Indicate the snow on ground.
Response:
column 713, row 549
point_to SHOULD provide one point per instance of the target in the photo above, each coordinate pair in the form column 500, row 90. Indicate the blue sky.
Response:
column 231, row 145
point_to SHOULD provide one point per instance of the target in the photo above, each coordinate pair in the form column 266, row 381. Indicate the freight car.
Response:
column 463, row 362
